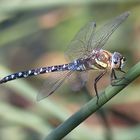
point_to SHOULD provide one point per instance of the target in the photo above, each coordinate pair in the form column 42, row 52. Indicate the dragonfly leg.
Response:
column 115, row 79
column 95, row 83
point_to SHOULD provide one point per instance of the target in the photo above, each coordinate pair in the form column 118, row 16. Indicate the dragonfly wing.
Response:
column 87, row 39
column 78, row 80
column 78, row 46
column 52, row 83
column 99, row 38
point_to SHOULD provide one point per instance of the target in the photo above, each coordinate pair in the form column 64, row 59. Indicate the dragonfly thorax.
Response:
column 100, row 59
column 117, row 61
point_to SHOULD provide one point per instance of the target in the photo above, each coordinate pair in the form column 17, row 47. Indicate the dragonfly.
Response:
column 86, row 53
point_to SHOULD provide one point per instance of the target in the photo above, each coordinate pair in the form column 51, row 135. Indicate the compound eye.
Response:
column 115, row 62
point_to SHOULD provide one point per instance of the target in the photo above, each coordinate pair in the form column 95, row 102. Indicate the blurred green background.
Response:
column 35, row 34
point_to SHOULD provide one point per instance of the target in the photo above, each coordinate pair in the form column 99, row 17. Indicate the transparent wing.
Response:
column 99, row 39
column 53, row 83
column 87, row 39
column 78, row 80
column 78, row 46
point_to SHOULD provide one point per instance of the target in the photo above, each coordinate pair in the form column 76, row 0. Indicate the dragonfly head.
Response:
column 118, row 61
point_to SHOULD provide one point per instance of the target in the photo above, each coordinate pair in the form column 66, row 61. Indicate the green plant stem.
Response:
column 91, row 107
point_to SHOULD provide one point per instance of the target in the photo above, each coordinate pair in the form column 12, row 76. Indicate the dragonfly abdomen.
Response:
column 34, row 72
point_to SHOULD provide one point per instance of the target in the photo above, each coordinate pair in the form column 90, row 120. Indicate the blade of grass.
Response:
column 20, row 30
column 16, row 115
column 92, row 106
column 20, row 6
